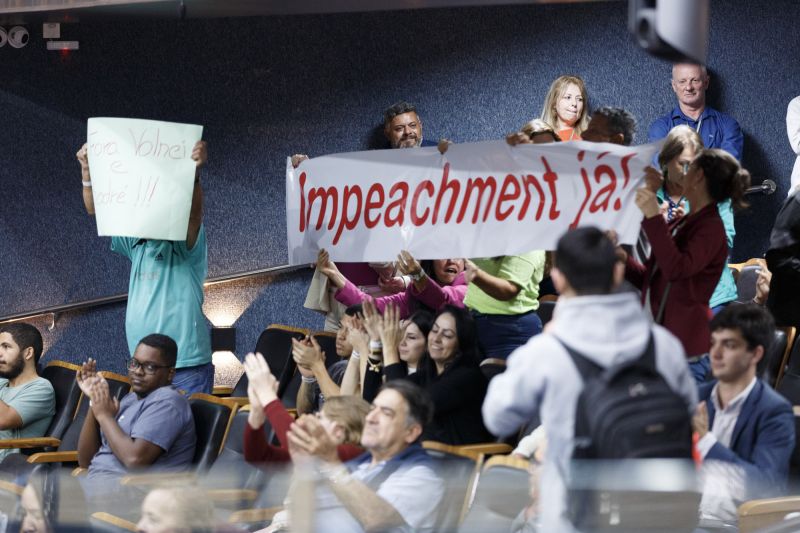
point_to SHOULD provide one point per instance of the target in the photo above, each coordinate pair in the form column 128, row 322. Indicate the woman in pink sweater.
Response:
column 435, row 284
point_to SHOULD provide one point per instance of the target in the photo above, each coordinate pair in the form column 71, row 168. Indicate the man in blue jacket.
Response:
column 718, row 130
column 746, row 429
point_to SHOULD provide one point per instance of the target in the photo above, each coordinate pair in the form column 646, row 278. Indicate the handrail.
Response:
column 86, row 304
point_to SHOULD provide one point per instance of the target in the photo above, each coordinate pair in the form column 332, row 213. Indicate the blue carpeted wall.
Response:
column 267, row 87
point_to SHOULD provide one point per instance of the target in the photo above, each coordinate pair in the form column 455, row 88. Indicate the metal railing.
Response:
column 96, row 302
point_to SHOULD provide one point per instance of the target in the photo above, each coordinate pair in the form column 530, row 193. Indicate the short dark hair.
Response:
column 753, row 321
column 420, row 404
column 586, row 257
column 26, row 336
column 164, row 344
column 619, row 121
column 398, row 109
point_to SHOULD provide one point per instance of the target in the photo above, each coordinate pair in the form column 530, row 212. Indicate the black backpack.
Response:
column 626, row 411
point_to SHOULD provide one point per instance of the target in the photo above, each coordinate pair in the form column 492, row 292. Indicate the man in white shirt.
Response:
column 746, row 429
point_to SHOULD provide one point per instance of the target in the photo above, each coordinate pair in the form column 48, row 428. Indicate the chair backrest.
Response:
column 327, row 341
column 756, row 514
column 212, row 420
column 230, row 470
column 788, row 384
column 502, row 491
column 545, row 311
column 492, row 366
column 275, row 344
column 746, row 283
column 457, row 472
column 61, row 376
column 772, row 362
column 118, row 386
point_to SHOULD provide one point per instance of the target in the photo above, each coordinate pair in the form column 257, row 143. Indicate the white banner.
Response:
column 142, row 176
column 480, row 199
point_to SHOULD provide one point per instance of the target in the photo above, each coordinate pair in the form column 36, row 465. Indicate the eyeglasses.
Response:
column 149, row 368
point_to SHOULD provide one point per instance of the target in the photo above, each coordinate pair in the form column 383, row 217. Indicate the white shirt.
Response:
column 793, row 130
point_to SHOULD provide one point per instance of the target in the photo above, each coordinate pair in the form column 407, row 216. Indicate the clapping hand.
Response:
column 86, row 376
column 103, row 404
column 200, row 153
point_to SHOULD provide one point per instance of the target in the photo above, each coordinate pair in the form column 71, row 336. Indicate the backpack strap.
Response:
column 586, row 367
column 589, row 369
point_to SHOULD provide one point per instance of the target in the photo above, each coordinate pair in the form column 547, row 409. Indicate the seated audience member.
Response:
column 449, row 372
column 566, row 107
column 604, row 326
column 610, row 125
column 178, row 509
column 783, row 260
column 680, row 148
column 341, row 416
column 319, row 382
column 392, row 487
column 717, row 130
column 503, row 296
column 399, row 348
column 27, row 402
column 51, row 501
column 435, row 284
column 152, row 427
column 741, row 421
column 688, row 254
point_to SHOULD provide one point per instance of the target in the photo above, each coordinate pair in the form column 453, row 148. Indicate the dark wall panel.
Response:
column 268, row 87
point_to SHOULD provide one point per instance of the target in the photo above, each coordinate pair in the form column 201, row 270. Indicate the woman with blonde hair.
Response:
column 177, row 509
column 566, row 107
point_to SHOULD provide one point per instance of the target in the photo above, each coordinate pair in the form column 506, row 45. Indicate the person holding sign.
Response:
column 689, row 253
column 165, row 292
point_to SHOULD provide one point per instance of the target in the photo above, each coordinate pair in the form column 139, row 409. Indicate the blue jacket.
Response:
column 762, row 441
column 717, row 130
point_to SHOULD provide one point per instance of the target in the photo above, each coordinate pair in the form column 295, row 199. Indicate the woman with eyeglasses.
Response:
column 688, row 254
column 680, row 148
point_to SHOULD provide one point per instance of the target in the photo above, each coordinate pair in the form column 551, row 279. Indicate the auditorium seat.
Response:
column 789, row 383
column 458, row 470
column 492, row 366
column 545, row 311
column 757, row 514
column 501, row 492
column 275, row 344
column 746, row 282
column 61, row 376
column 773, row 364
column 66, row 448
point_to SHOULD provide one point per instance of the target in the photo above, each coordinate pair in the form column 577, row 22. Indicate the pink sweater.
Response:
column 434, row 296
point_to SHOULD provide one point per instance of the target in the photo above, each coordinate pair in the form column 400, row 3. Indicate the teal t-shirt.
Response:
column 525, row 271
column 34, row 402
column 165, row 294
column 725, row 291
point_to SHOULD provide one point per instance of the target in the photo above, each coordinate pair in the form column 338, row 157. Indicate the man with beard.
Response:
column 27, row 402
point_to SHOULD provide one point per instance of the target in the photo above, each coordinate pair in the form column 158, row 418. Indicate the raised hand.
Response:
column 309, row 436
column 83, row 156
column 86, row 376
column 328, row 267
column 307, row 353
column 260, row 379
column 103, row 404
column 200, row 153
column 407, row 264
column 372, row 320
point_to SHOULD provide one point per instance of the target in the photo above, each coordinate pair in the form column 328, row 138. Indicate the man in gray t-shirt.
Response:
column 27, row 402
column 151, row 428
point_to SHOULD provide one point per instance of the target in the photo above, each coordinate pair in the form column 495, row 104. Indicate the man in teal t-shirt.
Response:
column 165, row 292
column 27, row 402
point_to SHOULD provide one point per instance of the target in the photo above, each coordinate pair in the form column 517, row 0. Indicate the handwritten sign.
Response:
column 478, row 200
column 142, row 176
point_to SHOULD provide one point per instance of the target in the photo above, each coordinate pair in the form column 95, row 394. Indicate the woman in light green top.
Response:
column 503, row 296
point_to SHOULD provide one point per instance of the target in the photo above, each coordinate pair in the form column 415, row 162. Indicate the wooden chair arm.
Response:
column 32, row 442
column 115, row 521
column 54, row 457
column 238, row 400
column 13, row 488
column 79, row 471
column 490, row 448
column 138, row 480
column 248, row 516
column 232, row 495
column 222, row 391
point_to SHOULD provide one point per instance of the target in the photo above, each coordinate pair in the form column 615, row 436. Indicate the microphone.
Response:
column 766, row 188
